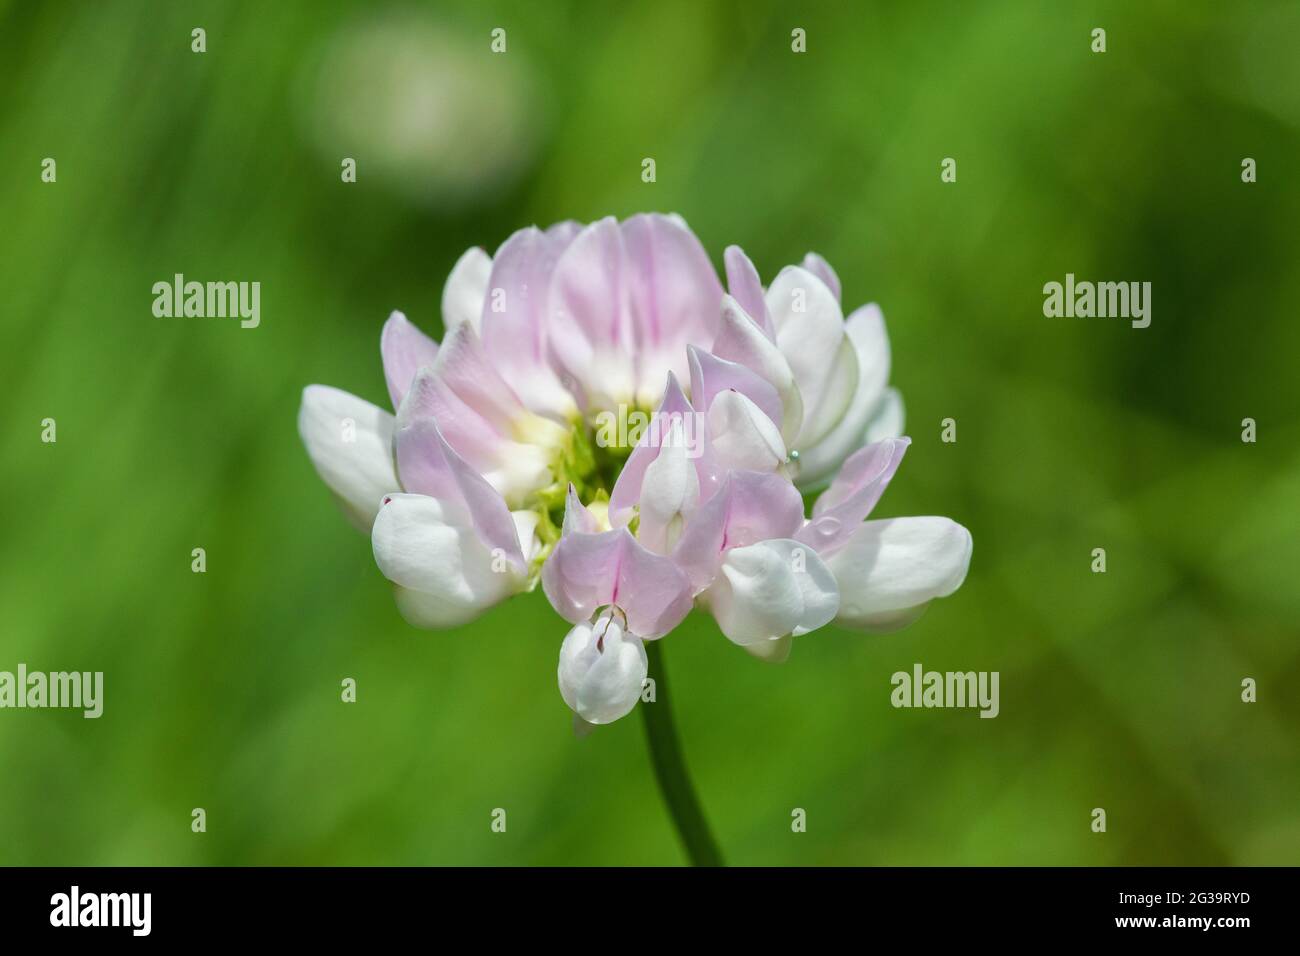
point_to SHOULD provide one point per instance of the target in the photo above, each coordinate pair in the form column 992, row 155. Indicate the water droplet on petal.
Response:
column 828, row 527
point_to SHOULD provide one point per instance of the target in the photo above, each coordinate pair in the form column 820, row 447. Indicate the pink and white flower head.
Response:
column 603, row 418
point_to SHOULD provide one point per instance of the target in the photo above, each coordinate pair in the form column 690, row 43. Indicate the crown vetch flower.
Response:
column 497, row 473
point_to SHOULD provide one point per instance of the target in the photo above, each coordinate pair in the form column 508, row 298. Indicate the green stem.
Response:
column 670, row 769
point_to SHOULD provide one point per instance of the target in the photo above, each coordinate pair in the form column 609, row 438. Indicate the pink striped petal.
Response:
column 591, row 325
column 674, row 294
column 514, row 320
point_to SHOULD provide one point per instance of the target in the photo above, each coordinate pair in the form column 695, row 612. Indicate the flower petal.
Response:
column 577, row 516
column 772, row 589
column 839, row 511
column 464, row 366
column 602, row 670
column 483, row 420
column 740, row 340
column 404, row 350
column 750, row 507
column 810, row 334
column 865, row 329
column 526, row 523
column 590, row 315
column 350, row 442
column 887, row 420
column 589, row 571
column 669, row 495
column 711, row 375
column 514, row 469
column 746, row 288
column 630, row 484
column 465, row 289
column 822, row 270
column 890, row 570
column 674, row 294
column 514, row 325
column 444, row 573
column 742, row 437
column 430, row 467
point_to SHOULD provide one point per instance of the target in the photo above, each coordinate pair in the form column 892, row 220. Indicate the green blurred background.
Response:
column 222, row 691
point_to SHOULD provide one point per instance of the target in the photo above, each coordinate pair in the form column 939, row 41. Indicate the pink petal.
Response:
column 744, row 285
column 750, row 507
column 627, row 489
column 429, row 466
column 464, row 367
column 516, row 337
column 404, row 350
column 822, row 270
column 742, row 341
column 589, row 303
column 469, row 433
column 842, row 507
column 711, row 375
column 673, row 289
column 577, row 517
column 588, row 571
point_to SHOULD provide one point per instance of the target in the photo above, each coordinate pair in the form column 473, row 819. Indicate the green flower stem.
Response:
column 670, row 768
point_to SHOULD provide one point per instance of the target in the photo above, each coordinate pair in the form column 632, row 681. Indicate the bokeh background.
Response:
column 1119, row 690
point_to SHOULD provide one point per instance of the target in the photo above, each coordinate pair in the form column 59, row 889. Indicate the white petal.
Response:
column 444, row 573
column 526, row 525
column 669, row 493
column 890, row 570
column 836, row 397
column 887, row 420
column 602, row 670
column 742, row 436
column 772, row 589
column 466, row 288
column 865, row 328
column 810, row 334
column 350, row 442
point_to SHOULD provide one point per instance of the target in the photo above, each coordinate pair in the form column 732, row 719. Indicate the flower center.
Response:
column 591, row 457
